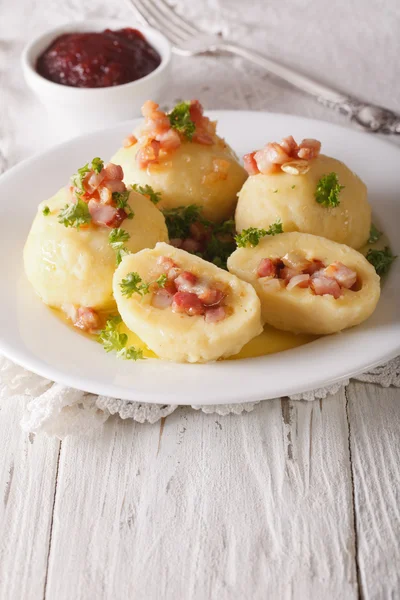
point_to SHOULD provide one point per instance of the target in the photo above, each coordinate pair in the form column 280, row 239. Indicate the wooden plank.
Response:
column 374, row 414
column 27, row 483
column 201, row 506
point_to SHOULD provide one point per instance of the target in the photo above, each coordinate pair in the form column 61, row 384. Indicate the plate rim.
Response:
column 34, row 364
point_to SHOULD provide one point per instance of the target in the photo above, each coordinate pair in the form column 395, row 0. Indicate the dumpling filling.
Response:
column 294, row 270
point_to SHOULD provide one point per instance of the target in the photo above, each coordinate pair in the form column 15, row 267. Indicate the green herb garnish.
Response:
column 179, row 220
column 133, row 284
column 113, row 340
column 46, row 211
column 121, row 201
column 374, row 234
column 97, row 165
column 147, row 190
column 180, row 120
column 74, row 215
column 162, row 280
column 117, row 239
column 381, row 260
column 252, row 236
column 328, row 190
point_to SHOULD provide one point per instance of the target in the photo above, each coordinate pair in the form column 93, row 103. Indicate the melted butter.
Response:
column 270, row 341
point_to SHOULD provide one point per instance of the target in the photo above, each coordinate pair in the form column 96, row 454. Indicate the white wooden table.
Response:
column 294, row 500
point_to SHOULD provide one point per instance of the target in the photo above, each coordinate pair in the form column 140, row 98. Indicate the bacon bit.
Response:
column 287, row 273
column 149, row 108
column 211, row 296
column 289, row 145
column 169, row 140
column 115, row 186
column 129, row 141
column 295, row 260
column 113, row 172
column 326, row 286
column 343, row 275
column 266, row 268
column 302, row 281
column 188, row 303
column 250, row 164
column 87, row 319
column 191, row 245
column 309, row 149
column 314, row 266
column 173, row 273
column 92, row 181
column 165, row 263
column 270, row 159
column 162, row 298
column 264, row 165
column 275, row 154
column 147, row 155
column 105, row 214
column 185, row 281
column 214, row 315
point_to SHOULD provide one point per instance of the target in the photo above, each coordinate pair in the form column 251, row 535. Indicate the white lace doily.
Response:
column 60, row 411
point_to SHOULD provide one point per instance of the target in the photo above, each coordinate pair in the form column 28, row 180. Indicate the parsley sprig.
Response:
column 147, row 190
column 46, row 211
column 113, row 340
column 180, row 120
column 121, row 201
column 74, row 214
column 179, row 220
column 252, row 236
column 133, row 284
column 328, row 190
column 374, row 234
column 117, row 238
column 381, row 260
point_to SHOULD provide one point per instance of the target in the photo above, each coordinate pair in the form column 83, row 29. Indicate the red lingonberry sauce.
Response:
column 101, row 59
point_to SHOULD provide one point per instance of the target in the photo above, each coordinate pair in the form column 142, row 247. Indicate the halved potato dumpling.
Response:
column 299, row 309
column 208, row 176
column 177, row 336
column 71, row 266
column 265, row 198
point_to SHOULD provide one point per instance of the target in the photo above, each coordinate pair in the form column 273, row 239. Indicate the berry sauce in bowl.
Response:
column 98, row 59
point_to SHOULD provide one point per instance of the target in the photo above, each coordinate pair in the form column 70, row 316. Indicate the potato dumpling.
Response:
column 180, row 156
column 201, row 313
column 291, row 198
column 190, row 175
column 311, row 309
column 70, row 266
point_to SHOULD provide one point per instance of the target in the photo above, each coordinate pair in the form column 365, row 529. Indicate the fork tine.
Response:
column 151, row 14
column 173, row 16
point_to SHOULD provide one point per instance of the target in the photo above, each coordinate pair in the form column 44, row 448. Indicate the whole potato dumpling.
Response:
column 203, row 170
column 341, row 288
column 264, row 198
column 66, row 265
column 199, row 313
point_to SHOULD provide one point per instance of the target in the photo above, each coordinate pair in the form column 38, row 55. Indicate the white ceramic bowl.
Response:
column 78, row 110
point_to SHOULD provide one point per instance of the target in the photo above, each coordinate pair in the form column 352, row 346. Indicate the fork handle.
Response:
column 370, row 117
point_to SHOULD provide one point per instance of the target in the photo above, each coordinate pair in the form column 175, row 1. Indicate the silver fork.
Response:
column 187, row 40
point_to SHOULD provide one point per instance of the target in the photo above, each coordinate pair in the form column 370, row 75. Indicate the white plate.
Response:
column 36, row 339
